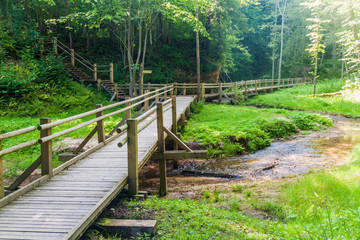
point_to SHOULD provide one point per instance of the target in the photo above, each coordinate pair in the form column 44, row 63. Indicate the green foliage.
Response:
column 325, row 204
column 196, row 107
column 15, row 79
column 279, row 128
column 230, row 130
column 190, row 219
column 238, row 98
column 295, row 99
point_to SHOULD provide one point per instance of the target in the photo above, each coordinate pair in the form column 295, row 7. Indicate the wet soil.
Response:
column 309, row 151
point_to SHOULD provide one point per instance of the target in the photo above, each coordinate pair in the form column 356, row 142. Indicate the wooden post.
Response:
column 236, row 87
column 161, row 148
column 148, row 87
column 72, row 57
column 99, row 85
column 172, row 92
column 246, row 89
column 183, row 120
column 174, row 130
column 55, row 45
column 184, row 91
column 256, row 86
column 202, row 93
column 133, row 176
column 2, row 185
column 220, row 92
column 112, row 72
column 95, row 72
column 128, row 112
column 157, row 97
column 165, row 96
column 141, row 85
column 175, row 89
column 266, row 83
column 146, row 103
column 117, row 91
column 46, row 150
column 100, row 125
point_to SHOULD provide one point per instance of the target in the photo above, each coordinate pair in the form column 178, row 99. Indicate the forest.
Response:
column 239, row 39
column 279, row 120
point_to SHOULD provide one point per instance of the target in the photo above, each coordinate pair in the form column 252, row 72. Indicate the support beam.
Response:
column 178, row 140
column 180, row 155
column 25, row 174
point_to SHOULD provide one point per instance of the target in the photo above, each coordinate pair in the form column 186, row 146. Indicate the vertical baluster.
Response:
column 133, row 176
column 46, row 150
column 100, row 125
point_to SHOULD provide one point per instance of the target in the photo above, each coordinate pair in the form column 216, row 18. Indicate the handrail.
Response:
column 69, row 119
column 17, row 133
column 64, row 132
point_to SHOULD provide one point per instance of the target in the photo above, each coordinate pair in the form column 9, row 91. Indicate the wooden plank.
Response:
column 88, row 219
column 36, row 228
column 38, row 235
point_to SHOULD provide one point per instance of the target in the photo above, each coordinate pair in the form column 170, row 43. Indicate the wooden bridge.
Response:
column 63, row 202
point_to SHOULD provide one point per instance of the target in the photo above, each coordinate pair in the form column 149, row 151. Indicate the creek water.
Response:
column 297, row 155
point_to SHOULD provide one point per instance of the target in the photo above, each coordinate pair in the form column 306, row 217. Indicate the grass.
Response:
column 321, row 205
column 71, row 100
column 295, row 99
column 230, row 130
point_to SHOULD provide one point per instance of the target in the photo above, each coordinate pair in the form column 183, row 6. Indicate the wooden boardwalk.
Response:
column 64, row 206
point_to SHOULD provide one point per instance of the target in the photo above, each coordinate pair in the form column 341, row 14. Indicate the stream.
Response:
column 297, row 155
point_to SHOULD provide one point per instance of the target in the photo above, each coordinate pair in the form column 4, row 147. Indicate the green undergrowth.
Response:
column 53, row 102
column 326, row 205
column 320, row 205
column 229, row 130
column 296, row 98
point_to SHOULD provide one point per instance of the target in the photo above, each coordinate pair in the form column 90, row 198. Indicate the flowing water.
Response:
column 300, row 154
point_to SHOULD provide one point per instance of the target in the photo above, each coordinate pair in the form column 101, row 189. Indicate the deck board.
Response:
column 64, row 206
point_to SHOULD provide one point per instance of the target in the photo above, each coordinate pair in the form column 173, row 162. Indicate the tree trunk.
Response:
column 282, row 36
column 131, row 84
column 315, row 72
column 334, row 59
column 274, row 42
column 198, row 59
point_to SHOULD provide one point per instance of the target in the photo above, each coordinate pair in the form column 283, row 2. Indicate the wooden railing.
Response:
column 153, row 92
column 247, row 87
column 47, row 136
column 92, row 68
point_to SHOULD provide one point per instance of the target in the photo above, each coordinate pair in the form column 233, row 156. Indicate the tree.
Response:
column 316, row 34
column 282, row 13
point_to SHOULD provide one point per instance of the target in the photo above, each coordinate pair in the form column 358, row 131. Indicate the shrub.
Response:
column 15, row 79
